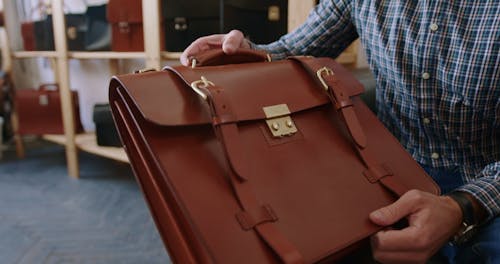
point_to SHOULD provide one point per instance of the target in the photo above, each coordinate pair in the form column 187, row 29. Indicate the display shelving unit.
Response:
column 153, row 55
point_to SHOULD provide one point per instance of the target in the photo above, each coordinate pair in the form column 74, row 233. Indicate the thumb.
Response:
column 392, row 213
column 232, row 41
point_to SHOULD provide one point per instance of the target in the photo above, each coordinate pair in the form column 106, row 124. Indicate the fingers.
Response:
column 229, row 43
column 392, row 213
column 200, row 45
column 401, row 257
column 428, row 219
column 401, row 246
column 234, row 40
column 396, row 240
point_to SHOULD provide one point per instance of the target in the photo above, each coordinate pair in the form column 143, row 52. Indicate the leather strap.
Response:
column 342, row 103
column 228, row 135
column 226, row 131
column 248, row 221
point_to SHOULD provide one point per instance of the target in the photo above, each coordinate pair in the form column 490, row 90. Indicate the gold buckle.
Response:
column 72, row 33
column 43, row 100
column 193, row 63
column 203, row 83
column 269, row 58
column 320, row 72
column 124, row 27
column 273, row 13
column 144, row 70
column 279, row 121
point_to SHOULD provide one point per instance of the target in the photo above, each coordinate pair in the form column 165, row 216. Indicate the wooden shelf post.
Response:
column 7, row 67
column 151, row 24
column 64, row 86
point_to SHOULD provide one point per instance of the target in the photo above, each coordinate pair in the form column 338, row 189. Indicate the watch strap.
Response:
column 465, row 205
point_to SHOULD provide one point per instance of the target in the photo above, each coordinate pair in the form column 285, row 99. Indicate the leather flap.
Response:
column 166, row 99
column 124, row 11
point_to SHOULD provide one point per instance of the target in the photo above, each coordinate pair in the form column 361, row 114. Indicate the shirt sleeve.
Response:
column 486, row 189
column 326, row 33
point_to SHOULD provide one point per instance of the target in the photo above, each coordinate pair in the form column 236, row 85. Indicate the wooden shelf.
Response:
column 119, row 55
column 105, row 55
column 34, row 54
column 87, row 142
column 170, row 55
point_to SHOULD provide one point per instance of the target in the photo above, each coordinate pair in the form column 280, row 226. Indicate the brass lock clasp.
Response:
column 279, row 121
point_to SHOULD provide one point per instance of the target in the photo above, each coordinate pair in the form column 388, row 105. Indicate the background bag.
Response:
column 105, row 129
column 6, row 105
column 75, row 32
column 28, row 31
column 98, row 35
column 125, row 17
column 269, row 167
column 262, row 21
column 44, row 34
column 28, row 35
column 39, row 111
column 187, row 20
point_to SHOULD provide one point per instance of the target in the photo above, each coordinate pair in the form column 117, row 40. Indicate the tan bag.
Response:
column 261, row 162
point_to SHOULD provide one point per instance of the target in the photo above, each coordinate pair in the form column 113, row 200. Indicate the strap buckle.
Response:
column 200, row 84
column 320, row 72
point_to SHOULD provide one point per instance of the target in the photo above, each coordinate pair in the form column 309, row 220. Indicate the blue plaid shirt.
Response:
column 437, row 66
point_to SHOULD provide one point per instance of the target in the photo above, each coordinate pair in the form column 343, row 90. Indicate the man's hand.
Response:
column 229, row 43
column 432, row 221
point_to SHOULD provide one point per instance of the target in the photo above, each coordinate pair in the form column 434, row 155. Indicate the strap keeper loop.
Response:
column 248, row 221
column 374, row 173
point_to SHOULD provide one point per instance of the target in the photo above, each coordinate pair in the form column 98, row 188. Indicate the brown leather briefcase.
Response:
column 125, row 17
column 39, row 111
column 260, row 162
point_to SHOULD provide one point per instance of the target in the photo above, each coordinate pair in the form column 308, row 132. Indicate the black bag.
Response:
column 30, row 32
column 187, row 20
column 262, row 21
column 75, row 32
column 98, row 35
column 6, row 106
column 44, row 34
column 76, row 29
column 105, row 127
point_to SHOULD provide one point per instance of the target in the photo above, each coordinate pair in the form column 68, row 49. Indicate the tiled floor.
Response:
column 48, row 217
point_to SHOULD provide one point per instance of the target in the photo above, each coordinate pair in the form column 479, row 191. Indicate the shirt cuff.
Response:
column 486, row 189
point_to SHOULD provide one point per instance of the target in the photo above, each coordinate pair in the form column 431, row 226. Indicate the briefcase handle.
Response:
column 48, row 87
column 218, row 57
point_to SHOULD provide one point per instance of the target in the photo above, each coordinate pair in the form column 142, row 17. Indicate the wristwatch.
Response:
column 468, row 225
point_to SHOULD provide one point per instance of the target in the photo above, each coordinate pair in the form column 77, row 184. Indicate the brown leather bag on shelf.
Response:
column 36, row 34
column 28, row 35
column 259, row 162
column 39, row 111
column 125, row 17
